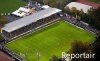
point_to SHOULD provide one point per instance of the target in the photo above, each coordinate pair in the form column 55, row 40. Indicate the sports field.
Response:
column 49, row 42
column 8, row 6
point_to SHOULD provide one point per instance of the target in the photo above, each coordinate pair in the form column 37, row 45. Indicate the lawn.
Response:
column 8, row 6
column 49, row 42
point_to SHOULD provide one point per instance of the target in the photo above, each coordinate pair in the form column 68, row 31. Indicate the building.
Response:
column 45, row 7
column 30, row 23
column 79, row 6
column 21, row 12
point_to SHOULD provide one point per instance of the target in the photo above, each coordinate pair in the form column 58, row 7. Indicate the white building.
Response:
column 21, row 12
column 45, row 6
column 79, row 6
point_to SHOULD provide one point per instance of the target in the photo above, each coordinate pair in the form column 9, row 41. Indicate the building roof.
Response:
column 45, row 7
column 29, row 19
column 87, row 2
column 79, row 6
column 21, row 12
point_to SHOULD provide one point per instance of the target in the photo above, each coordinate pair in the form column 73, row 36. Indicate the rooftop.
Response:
column 29, row 19
column 79, row 6
column 21, row 12
column 87, row 2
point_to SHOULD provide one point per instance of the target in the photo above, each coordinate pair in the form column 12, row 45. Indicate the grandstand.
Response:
column 30, row 23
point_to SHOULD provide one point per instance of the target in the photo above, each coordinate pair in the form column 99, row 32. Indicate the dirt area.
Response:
column 5, row 57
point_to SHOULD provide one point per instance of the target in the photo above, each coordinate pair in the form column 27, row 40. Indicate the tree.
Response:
column 74, row 11
column 80, row 47
column 91, row 12
column 53, row 3
column 54, row 58
column 71, row 1
column 67, row 10
column 46, row 2
column 3, row 19
column 62, row 4
column 94, row 15
column 97, row 48
column 81, row 13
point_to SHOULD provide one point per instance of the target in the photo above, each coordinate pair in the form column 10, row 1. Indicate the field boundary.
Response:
column 11, row 53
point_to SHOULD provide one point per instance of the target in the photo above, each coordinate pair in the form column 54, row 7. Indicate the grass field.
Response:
column 50, row 41
column 8, row 6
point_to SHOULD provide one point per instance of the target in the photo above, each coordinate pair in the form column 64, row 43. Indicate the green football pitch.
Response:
column 8, row 6
column 49, row 42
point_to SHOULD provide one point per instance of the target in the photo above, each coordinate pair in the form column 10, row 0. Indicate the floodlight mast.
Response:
column 38, row 55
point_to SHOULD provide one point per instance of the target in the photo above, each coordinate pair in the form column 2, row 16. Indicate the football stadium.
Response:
column 48, row 42
column 41, row 35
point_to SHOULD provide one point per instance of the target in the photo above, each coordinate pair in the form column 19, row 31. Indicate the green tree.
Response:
column 54, row 3
column 74, row 11
column 67, row 9
column 54, row 58
column 80, row 47
column 94, row 17
column 3, row 19
column 46, row 2
column 97, row 48
column 71, row 1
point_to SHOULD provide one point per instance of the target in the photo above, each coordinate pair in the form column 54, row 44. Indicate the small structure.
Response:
column 21, row 12
column 45, row 6
column 30, row 3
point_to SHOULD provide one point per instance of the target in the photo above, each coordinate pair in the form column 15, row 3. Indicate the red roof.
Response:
column 93, row 4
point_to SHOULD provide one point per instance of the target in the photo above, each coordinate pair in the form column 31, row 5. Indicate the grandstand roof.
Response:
column 79, row 6
column 29, row 19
